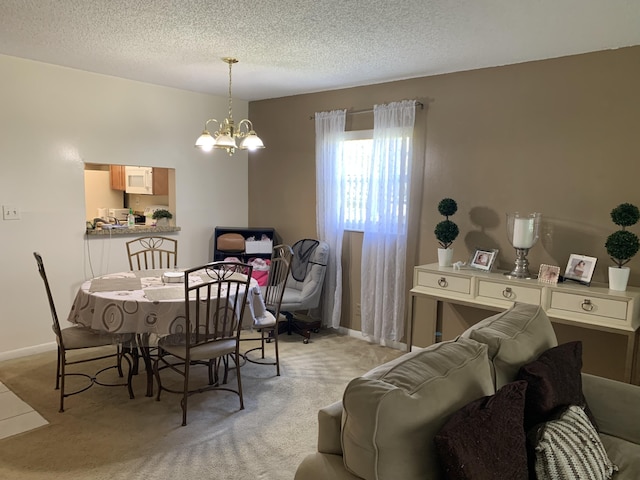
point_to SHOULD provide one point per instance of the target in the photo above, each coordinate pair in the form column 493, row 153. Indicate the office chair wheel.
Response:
column 305, row 340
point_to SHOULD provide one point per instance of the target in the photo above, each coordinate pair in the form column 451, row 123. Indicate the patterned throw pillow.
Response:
column 569, row 448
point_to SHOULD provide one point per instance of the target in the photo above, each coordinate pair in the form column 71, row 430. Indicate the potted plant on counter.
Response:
column 162, row 217
column 446, row 231
column 622, row 245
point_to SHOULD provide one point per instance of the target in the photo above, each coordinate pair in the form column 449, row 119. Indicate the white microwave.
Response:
column 139, row 180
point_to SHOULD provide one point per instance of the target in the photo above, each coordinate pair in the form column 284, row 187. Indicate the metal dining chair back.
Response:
column 82, row 338
column 215, row 298
column 272, row 293
column 147, row 253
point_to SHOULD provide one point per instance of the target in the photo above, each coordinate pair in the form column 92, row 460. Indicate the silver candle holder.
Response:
column 523, row 233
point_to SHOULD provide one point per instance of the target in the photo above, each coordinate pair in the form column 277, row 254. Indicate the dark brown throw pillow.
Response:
column 485, row 439
column 554, row 382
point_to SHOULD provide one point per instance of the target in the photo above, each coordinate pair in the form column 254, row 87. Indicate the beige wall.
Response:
column 558, row 136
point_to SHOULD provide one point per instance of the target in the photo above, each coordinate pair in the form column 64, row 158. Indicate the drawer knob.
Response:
column 507, row 292
column 587, row 306
column 443, row 282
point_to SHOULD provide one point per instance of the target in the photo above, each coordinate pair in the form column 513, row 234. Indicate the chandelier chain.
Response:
column 230, row 110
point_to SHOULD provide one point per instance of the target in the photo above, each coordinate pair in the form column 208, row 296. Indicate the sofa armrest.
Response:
column 329, row 427
column 615, row 406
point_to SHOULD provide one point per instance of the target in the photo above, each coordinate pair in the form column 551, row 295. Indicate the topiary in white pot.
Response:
column 446, row 231
column 622, row 244
column 162, row 217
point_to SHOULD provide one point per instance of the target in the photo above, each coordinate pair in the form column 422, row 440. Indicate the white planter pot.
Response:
column 162, row 222
column 445, row 257
column 618, row 278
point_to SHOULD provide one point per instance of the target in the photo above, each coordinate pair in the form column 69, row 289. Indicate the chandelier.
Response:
column 226, row 134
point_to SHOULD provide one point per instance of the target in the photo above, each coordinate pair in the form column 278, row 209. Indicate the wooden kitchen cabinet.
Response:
column 160, row 181
column 117, row 177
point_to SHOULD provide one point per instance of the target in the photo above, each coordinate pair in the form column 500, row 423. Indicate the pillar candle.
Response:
column 523, row 232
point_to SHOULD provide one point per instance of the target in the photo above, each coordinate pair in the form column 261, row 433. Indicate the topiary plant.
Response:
column 446, row 231
column 623, row 244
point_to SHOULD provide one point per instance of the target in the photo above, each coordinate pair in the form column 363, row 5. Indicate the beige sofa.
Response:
column 384, row 427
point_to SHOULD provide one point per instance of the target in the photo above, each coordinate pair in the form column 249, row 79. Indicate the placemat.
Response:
column 164, row 293
column 149, row 273
column 114, row 284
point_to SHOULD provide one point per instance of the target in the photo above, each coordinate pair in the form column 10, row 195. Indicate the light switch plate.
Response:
column 10, row 212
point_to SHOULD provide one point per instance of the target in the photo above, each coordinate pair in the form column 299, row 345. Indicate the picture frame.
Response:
column 549, row 274
column 580, row 268
column 483, row 258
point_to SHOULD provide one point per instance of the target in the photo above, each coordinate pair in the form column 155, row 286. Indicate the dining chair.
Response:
column 152, row 253
column 267, row 322
column 96, row 343
column 215, row 300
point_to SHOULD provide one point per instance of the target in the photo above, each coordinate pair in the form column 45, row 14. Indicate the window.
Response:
column 357, row 148
column 356, row 172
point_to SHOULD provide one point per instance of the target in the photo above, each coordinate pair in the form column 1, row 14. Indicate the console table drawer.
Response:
column 585, row 305
column 444, row 282
column 512, row 293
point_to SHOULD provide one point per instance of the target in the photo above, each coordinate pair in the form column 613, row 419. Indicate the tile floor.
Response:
column 15, row 415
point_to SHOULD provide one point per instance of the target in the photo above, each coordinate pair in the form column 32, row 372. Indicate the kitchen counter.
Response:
column 136, row 230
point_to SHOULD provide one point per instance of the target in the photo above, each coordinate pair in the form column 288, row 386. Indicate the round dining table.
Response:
column 144, row 302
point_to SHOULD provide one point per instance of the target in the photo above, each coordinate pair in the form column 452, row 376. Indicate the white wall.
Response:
column 52, row 120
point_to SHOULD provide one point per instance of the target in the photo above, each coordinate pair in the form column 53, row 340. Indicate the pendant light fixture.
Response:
column 226, row 134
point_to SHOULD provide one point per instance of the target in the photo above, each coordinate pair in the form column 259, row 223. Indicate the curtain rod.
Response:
column 368, row 110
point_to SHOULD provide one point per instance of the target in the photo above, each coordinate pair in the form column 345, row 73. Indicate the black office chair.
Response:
column 304, row 285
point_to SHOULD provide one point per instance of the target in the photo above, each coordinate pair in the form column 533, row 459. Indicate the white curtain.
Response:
column 385, row 237
column 329, row 211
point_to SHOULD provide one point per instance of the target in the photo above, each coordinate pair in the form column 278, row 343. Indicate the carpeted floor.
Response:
column 104, row 435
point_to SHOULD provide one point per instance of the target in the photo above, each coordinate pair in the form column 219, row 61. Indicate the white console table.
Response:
column 594, row 307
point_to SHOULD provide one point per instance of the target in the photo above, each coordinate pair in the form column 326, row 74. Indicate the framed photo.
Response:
column 580, row 268
column 549, row 274
column 483, row 259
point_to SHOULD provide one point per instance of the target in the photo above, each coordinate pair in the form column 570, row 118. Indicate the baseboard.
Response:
column 359, row 335
column 25, row 352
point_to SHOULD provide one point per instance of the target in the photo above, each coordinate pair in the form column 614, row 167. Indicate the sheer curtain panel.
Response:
column 384, row 249
column 329, row 209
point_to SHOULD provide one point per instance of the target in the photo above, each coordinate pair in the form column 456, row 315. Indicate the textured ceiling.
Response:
column 287, row 47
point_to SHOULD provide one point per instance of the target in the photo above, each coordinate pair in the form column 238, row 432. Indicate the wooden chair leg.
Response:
column 275, row 338
column 58, row 370
column 62, row 376
column 237, row 359
column 185, row 394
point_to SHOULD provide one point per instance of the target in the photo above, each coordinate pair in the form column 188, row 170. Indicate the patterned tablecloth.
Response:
column 141, row 302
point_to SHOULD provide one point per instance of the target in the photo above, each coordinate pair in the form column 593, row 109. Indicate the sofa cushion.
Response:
column 569, row 447
column 554, row 381
column 624, row 454
column 514, row 337
column 389, row 422
column 485, row 440
column 323, row 466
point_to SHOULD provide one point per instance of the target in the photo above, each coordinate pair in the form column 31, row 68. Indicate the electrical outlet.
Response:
column 10, row 212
